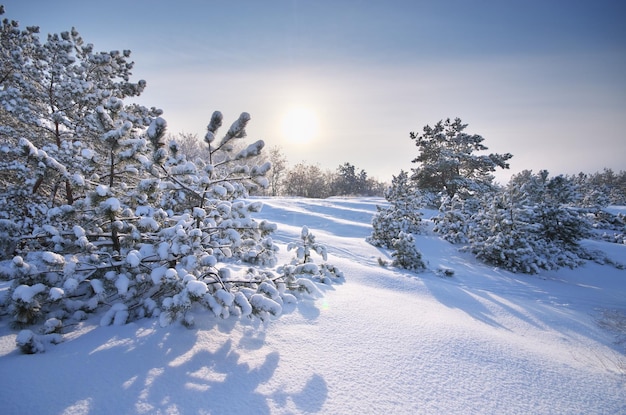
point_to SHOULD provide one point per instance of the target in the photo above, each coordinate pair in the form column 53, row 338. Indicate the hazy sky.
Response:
column 544, row 80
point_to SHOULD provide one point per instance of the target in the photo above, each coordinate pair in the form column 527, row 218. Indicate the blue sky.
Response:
column 543, row 80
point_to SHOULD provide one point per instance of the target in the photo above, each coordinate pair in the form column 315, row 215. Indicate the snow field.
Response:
column 484, row 341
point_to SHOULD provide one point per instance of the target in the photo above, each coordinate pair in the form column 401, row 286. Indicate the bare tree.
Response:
column 279, row 167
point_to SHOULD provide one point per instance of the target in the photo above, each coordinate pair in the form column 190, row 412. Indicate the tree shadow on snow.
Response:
column 143, row 369
column 450, row 294
column 211, row 381
column 526, row 299
column 222, row 382
column 307, row 309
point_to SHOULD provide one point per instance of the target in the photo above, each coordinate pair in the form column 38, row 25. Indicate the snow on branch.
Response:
column 155, row 238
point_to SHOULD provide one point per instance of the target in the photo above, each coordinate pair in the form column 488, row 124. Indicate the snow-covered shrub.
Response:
column 30, row 343
column 401, row 215
column 454, row 219
column 505, row 245
column 394, row 225
column 26, row 302
column 530, row 226
column 608, row 226
column 616, row 238
column 405, row 254
column 303, row 266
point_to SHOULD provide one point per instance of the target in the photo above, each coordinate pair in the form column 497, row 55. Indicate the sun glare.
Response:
column 300, row 125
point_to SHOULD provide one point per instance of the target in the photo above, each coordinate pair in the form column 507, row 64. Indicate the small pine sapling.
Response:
column 405, row 254
column 402, row 215
column 302, row 264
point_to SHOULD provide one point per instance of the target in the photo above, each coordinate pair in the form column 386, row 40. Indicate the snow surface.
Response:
column 386, row 341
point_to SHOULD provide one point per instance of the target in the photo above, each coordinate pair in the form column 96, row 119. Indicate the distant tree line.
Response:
column 604, row 188
column 444, row 169
column 302, row 179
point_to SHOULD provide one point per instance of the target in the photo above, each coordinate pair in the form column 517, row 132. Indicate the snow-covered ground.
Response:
column 386, row 341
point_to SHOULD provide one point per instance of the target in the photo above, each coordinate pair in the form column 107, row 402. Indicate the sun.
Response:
column 300, row 125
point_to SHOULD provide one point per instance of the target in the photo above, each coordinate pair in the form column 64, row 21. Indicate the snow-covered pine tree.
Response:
column 502, row 234
column 597, row 192
column 75, row 249
column 612, row 185
column 455, row 218
column 152, row 246
column 67, row 142
column 303, row 266
column 448, row 163
column 120, row 221
column 214, row 189
column 51, row 146
column 401, row 215
column 592, row 196
column 553, row 201
column 405, row 254
column 17, row 49
column 530, row 226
